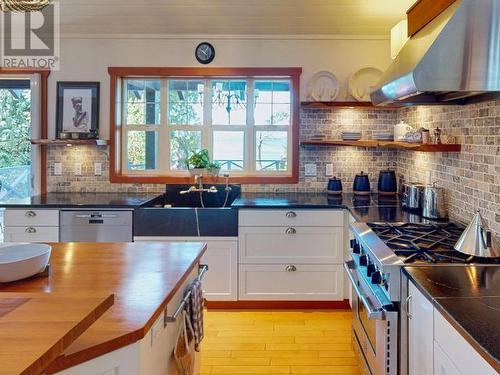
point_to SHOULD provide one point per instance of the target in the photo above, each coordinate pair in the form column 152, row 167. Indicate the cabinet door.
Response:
column 26, row 217
column 32, row 234
column 291, row 282
column 221, row 280
column 309, row 245
column 442, row 363
column 420, row 333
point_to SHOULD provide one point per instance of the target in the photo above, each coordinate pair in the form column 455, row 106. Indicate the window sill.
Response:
column 141, row 179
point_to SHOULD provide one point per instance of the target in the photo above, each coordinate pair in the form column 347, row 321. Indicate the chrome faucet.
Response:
column 198, row 180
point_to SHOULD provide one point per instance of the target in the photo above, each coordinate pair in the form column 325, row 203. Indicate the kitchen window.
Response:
column 246, row 118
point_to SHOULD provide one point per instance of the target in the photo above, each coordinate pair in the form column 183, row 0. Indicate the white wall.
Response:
column 84, row 59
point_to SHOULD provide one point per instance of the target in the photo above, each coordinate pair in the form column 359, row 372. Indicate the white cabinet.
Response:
column 23, row 225
column 298, row 282
column 291, row 254
column 442, row 363
column 420, row 332
column 221, row 281
column 460, row 353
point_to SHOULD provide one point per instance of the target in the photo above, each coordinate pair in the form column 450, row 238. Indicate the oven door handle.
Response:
column 373, row 313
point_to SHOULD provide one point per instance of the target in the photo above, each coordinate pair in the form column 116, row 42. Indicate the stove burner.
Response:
column 429, row 243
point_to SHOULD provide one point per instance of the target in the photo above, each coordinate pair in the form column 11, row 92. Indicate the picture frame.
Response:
column 77, row 110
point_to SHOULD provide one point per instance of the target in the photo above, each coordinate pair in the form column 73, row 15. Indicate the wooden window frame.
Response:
column 44, row 76
column 117, row 74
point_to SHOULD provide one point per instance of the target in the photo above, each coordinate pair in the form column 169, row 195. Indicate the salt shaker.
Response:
column 437, row 136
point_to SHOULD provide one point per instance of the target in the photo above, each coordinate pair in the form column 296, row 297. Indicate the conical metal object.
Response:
column 476, row 240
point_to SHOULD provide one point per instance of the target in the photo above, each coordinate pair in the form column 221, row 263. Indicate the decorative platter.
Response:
column 323, row 87
column 361, row 82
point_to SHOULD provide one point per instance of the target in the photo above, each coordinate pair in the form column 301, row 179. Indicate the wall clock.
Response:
column 205, row 53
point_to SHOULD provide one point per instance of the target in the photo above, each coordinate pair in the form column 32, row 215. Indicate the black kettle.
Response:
column 361, row 185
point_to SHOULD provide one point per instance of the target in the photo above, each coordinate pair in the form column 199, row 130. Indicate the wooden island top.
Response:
column 143, row 276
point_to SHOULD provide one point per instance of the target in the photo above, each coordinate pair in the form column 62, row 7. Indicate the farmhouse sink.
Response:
column 21, row 260
column 183, row 215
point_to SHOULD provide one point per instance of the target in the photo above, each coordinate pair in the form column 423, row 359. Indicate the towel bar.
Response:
column 171, row 319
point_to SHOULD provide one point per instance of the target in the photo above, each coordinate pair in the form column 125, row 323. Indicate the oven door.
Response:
column 375, row 335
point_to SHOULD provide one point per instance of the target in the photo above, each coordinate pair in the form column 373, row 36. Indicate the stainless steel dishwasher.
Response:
column 95, row 226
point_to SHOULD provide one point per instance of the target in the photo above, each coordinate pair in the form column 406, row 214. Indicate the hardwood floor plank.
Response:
column 275, row 353
column 250, row 369
column 344, row 370
column 239, row 361
column 332, row 361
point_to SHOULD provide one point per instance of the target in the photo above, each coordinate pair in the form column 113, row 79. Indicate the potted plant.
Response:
column 199, row 164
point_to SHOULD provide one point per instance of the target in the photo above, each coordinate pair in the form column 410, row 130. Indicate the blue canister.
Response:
column 334, row 186
column 387, row 184
column 361, row 185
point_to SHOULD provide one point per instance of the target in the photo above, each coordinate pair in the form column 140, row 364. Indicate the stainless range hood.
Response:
column 454, row 59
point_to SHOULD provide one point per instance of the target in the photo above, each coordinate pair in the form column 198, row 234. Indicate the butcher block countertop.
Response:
column 143, row 276
column 36, row 328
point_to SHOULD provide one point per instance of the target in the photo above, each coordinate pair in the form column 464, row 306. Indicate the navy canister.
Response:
column 387, row 184
column 334, row 186
column 361, row 185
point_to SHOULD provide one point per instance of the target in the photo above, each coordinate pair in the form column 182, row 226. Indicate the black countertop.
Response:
column 469, row 298
column 83, row 200
column 371, row 208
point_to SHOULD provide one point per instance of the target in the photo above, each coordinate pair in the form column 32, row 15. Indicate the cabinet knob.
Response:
column 30, row 230
column 30, row 214
column 291, row 214
column 290, row 268
column 291, row 231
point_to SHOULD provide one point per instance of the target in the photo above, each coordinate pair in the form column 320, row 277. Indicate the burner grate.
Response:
column 428, row 243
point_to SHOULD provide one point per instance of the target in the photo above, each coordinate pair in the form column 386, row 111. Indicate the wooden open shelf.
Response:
column 68, row 142
column 360, row 105
column 428, row 147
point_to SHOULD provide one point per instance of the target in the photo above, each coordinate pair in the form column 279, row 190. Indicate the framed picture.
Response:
column 78, row 109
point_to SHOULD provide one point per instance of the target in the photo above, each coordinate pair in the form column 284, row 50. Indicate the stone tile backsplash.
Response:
column 471, row 178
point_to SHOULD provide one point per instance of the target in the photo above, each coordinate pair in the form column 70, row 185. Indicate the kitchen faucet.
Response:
column 198, row 180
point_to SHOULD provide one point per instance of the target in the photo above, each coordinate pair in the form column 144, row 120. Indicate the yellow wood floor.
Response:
column 278, row 342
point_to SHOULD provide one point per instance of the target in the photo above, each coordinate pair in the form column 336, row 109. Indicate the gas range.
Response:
column 381, row 249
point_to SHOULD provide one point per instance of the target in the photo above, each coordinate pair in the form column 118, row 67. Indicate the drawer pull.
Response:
column 290, row 268
column 291, row 231
column 291, row 214
column 30, row 214
column 30, row 230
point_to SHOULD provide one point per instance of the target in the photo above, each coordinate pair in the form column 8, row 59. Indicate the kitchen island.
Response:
column 147, row 279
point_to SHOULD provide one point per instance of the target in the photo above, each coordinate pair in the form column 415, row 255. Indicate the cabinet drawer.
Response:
column 46, row 218
column 279, row 282
column 32, row 234
column 459, row 351
column 291, row 244
column 276, row 218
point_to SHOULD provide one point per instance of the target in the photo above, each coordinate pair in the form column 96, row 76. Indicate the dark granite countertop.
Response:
column 372, row 208
column 469, row 298
column 82, row 200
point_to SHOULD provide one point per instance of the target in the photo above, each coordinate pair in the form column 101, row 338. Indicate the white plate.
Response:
column 361, row 82
column 21, row 260
column 323, row 87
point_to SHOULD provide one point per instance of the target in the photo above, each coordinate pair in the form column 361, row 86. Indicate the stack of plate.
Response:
column 383, row 136
column 351, row 136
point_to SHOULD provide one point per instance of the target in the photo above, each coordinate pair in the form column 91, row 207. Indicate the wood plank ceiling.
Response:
column 247, row 17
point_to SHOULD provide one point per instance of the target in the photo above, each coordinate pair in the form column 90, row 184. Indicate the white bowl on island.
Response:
column 22, row 260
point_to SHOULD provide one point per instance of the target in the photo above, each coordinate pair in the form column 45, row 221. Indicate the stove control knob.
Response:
column 370, row 269
column 377, row 277
column 356, row 249
column 363, row 260
column 353, row 242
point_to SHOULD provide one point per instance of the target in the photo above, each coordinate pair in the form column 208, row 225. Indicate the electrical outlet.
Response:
column 97, row 169
column 310, row 170
column 329, row 170
column 78, row 169
column 57, row 169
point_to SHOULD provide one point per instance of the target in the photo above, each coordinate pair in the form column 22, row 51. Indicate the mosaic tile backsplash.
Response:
column 471, row 178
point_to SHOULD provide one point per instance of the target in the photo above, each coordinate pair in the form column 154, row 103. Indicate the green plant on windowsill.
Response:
column 199, row 163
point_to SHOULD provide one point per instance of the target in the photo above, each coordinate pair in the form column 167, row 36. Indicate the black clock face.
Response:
column 205, row 53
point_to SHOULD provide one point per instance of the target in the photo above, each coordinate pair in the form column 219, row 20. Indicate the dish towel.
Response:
column 195, row 312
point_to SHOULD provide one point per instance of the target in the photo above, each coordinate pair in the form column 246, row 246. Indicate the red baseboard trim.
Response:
column 279, row 305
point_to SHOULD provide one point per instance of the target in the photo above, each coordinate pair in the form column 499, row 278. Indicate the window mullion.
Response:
column 163, row 141
column 207, row 128
column 250, row 130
